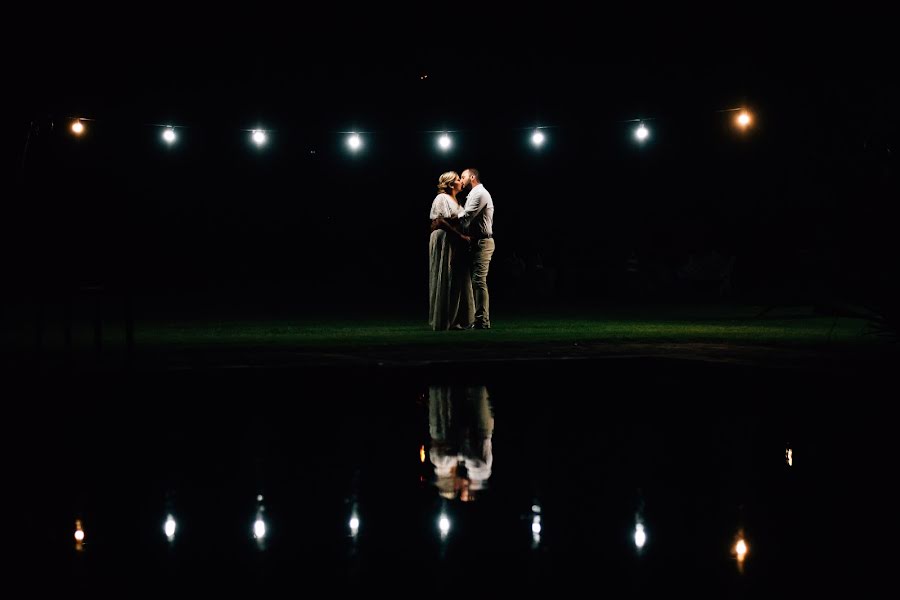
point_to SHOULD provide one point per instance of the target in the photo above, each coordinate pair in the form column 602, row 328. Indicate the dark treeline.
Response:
column 807, row 194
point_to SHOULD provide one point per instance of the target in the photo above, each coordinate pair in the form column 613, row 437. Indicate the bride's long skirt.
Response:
column 450, row 299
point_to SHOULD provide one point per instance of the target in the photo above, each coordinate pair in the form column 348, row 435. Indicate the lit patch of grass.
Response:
column 658, row 327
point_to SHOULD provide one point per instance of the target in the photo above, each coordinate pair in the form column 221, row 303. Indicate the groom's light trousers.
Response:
column 482, row 251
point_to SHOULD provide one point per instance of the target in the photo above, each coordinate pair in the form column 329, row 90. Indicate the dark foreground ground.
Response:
column 587, row 438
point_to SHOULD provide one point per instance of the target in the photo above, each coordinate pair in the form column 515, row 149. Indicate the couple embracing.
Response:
column 460, row 252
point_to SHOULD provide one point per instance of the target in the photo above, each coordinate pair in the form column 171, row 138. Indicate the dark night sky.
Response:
column 815, row 173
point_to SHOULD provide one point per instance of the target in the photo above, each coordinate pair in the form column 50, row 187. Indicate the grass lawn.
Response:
column 782, row 337
column 736, row 324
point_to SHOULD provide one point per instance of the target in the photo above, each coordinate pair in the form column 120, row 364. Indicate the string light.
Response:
column 641, row 133
column 258, row 136
column 743, row 120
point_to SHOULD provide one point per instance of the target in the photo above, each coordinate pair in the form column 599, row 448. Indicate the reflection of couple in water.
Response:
column 461, row 423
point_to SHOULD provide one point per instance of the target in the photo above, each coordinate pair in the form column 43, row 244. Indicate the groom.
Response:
column 477, row 217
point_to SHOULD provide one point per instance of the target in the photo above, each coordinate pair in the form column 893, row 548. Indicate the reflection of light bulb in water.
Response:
column 640, row 536
column 169, row 528
column 741, row 550
column 79, row 536
column 259, row 528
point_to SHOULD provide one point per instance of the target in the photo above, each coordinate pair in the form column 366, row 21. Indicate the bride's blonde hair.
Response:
column 446, row 181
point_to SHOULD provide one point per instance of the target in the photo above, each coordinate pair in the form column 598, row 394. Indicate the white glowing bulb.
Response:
column 354, row 142
column 444, row 525
column 743, row 119
column 77, row 127
column 169, row 135
column 536, row 526
column 538, row 138
column 79, row 535
column 354, row 525
column 741, row 549
column 641, row 133
column 444, row 142
column 259, row 137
